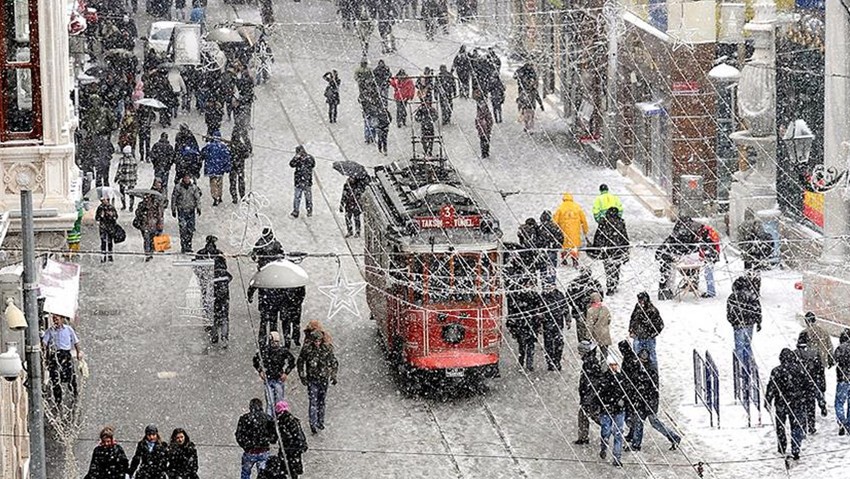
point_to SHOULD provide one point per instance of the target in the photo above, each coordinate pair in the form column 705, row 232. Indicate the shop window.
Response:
column 20, row 103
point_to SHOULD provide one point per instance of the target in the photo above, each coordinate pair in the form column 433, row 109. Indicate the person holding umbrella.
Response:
column 148, row 219
column 350, row 204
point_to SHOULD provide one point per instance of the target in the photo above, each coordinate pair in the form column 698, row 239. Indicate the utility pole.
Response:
column 613, row 19
column 35, row 416
column 836, row 125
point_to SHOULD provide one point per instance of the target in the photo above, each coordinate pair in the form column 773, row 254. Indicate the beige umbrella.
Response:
column 279, row 274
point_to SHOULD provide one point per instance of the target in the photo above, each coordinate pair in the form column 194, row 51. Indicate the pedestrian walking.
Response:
column 144, row 117
column 611, row 245
column 524, row 320
column 108, row 460
column 266, row 249
column 446, row 91
column 185, row 204
column 332, row 94
column 463, row 69
column 819, row 340
column 497, row 97
column 382, row 123
column 645, row 325
column 604, row 202
column 292, row 300
column 162, row 158
column 842, row 383
column 150, row 460
column 184, row 138
column 182, row 456
column 126, row 176
column 274, row 363
column 350, row 205
column 255, row 432
column 382, row 75
column 270, row 306
column 217, row 161
column 599, row 323
column 483, row 122
column 570, row 217
column 148, row 221
column 612, row 407
column 107, row 220
column 556, row 320
column 403, row 92
column 786, row 395
column 755, row 244
column 550, row 238
column 812, row 383
column 221, row 291
column 303, row 163
column 292, row 439
column 103, row 151
column 743, row 311
column 317, row 366
column 588, row 388
column 578, row 299
column 188, row 162
column 240, row 150
column 128, row 132
column 709, row 253
column 58, row 341
column 643, row 376
column 427, row 116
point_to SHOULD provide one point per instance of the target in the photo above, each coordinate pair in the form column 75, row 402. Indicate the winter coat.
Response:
column 784, row 389
column 426, row 115
column 556, row 311
column 149, row 464
column 497, row 90
column 571, row 219
column 106, row 215
column 842, row 358
column 240, row 150
column 189, row 162
column 589, row 382
column 185, row 198
column 184, row 138
column 303, row 164
column 107, row 462
column 127, row 173
column 550, row 236
column 317, row 363
column 182, row 460
column 403, row 88
column 821, row 342
column 129, row 131
column 611, row 393
column 642, row 387
column 743, row 307
column 274, row 360
column 483, row 119
column 709, row 244
column 461, row 64
column 216, row 158
column 332, row 90
column 255, row 431
column 682, row 241
column 382, row 76
column 646, row 322
column 350, row 203
column 611, row 240
column 604, row 202
column 599, row 321
column 148, row 216
column 97, row 119
column 266, row 250
column 102, row 151
column 813, row 381
column 754, row 242
column 293, row 440
column 578, row 299
column 524, row 315
column 162, row 156
column 446, row 87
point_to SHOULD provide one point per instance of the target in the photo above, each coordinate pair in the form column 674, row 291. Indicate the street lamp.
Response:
column 798, row 139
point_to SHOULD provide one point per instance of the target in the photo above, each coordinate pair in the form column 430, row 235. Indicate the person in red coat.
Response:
column 403, row 91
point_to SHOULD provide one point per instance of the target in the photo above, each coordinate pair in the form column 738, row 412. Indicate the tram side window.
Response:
column 417, row 281
column 439, row 278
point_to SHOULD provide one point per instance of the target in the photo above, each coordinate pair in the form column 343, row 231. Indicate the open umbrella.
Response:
column 145, row 192
column 224, row 35
column 351, row 168
column 279, row 274
column 119, row 52
column 97, row 72
column 151, row 102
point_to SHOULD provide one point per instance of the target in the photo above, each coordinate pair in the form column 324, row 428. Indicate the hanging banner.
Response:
column 813, row 208
column 59, row 285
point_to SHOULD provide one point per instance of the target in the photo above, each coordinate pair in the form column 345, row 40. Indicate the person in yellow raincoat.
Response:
column 571, row 219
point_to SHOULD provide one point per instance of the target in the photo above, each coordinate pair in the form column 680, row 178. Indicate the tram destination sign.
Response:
column 448, row 218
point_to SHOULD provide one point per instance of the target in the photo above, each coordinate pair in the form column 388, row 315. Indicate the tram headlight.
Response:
column 453, row 333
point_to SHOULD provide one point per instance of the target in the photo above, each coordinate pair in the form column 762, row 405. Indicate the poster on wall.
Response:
column 813, row 208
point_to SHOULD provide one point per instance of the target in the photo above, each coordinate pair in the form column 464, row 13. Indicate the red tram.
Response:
column 433, row 264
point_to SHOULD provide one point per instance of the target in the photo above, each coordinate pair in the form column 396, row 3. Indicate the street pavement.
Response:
column 150, row 364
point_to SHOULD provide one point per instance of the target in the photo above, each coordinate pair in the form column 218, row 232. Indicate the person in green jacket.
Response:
column 604, row 201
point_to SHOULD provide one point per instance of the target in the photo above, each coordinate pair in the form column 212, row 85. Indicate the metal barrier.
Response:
column 707, row 385
column 747, row 387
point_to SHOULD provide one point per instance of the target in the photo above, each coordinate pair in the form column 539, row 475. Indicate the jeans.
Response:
column 352, row 219
column 648, row 344
column 637, row 430
column 307, row 191
column 497, row 111
column 268, row 317
column 332, row 112
column 248, row 461
column 842, row 404
column 401, row 113
column 795, row 419
column 708, row 267
column 163, row 176
column 526, row 352
column 275, row 389
column 105, row 243
column 186, row 222
column 553, row 344
column 368, row 130
column 237, row 184
column 743, row 346
column 612, row 274
column 612, row 424
column 147, row 239
column 61, row 370
column 316, row 391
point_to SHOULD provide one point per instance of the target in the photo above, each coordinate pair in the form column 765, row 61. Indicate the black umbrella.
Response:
column 351, row 168
column 97, row 72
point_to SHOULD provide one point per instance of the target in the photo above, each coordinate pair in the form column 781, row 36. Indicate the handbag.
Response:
column 161, row 242
column 118, row 234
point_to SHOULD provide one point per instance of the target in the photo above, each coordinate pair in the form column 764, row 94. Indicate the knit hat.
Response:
column 586, row 346
column 212, row 238
column 643, row 296
column 810, row 317
column 603, row 187
column 803, row 339
column 151, row 429
column 281, row 407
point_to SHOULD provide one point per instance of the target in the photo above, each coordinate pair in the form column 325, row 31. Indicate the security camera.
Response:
column 14, row 316
column 10, row 363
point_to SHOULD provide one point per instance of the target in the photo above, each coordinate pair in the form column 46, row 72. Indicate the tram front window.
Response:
column 453, row 278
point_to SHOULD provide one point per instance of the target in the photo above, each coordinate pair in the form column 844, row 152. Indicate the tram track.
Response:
column 279, row 45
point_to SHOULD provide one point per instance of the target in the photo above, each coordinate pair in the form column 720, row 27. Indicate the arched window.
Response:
column 20, row 100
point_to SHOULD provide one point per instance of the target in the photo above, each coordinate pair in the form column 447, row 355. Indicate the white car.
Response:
column 160, row 35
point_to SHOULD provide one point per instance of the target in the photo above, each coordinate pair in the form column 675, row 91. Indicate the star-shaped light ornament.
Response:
column 343, row 295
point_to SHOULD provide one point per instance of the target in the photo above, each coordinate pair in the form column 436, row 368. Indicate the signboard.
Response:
column 187, row 44
column 811, row 4
column 448, row 219
column 813, row 207
column 59, row 285
column 685, row 87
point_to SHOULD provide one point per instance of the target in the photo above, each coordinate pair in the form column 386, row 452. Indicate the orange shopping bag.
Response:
column 161, row 242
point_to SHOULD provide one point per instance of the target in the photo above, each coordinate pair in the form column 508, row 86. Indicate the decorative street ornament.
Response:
column 249, row 221
column 343, row 294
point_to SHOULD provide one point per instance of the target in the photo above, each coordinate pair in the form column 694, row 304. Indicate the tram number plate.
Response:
column 454, row 373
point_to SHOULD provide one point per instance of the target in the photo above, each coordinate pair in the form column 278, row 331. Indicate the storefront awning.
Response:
column 650, row 108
